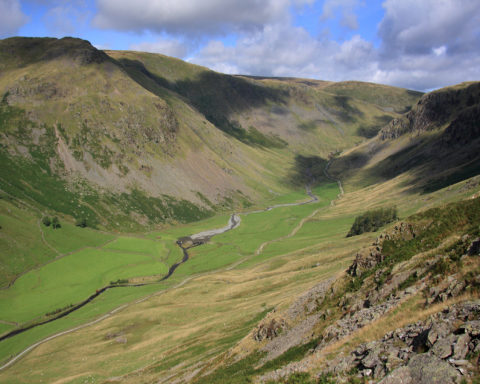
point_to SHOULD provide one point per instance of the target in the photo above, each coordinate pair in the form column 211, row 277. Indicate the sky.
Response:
column 415, row 44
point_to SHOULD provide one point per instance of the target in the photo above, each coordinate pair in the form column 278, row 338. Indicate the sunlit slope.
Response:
column 130, row 139
column 176, row 333
column 429, row 148
column 307, row 115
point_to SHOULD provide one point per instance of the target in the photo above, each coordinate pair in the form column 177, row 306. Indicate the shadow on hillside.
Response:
column 345, row 110
column 307, row 170
column 433, row 162
column 371, row 130
column 216, row 96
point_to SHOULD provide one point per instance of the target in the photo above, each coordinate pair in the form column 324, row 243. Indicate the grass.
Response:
column 21, row 245
column 70, row 238
column 70, row 280
column 255, row 229
column 106, row 302
column 194, row 322
column 126, row 257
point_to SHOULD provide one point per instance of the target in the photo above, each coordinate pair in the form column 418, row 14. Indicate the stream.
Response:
column 185, row 243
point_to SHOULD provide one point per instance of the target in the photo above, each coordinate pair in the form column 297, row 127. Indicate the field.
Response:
column 209, row 303
column 89, row 260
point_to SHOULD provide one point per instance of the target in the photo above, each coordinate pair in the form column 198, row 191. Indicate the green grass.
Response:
column 21, row 245
column 70, row 238
column 313, row 232
column 255, row 229
column 104, row 303
column 70, row 280
column 5, row 328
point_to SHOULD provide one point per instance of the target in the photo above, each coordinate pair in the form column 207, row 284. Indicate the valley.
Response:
column 203, row 223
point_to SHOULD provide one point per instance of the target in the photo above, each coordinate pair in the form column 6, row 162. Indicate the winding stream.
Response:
column 185, row 243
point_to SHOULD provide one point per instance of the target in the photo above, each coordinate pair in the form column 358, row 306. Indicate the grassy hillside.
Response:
column 128, row 141
column 149, row 149
column 217, row 297
column 435, row 144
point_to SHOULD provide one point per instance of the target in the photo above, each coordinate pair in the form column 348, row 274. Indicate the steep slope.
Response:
column 124, row 132
column 194, row 331
column 435, row 144
column 407, row 310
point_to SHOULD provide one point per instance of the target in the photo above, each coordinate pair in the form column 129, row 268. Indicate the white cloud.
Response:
column 415, row 27
column 440, row 50
column 11, row 17
column 191, row 17
column 169, row 47
column 65, row 17
column 347, row 10
column 424, row 45
column 283, row 50
column 431, row 43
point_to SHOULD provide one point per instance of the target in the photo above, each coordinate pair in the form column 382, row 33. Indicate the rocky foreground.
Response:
column 415, row 288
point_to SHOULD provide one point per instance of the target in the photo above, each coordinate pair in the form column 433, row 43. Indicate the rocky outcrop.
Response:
column 450, row 287
column 458, row 106
column 370, row 257
column 432, row 351
column 424, row 369
column 352, row 321
column 365, row 260
column 269, row 329
column 301, row 317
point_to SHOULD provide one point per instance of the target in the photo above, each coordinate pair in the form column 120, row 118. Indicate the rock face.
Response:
column 370, row 257
column 301, row 317
column 450, row 287
column 269, row 330
column 433, row 110
column 424, row 369
column 364, row 260
column 432, row 351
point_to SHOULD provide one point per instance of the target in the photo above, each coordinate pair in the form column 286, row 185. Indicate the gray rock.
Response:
column 341, row 364
column 379, row 371
column 393, row 362
column 443, row 347
column 424, row 369
column 399, row 376
column 121, row 340
column 366, row 259
column 371, row 360
column 459, row 363
column 438, row 331
column 472, row 328
column 460, row 349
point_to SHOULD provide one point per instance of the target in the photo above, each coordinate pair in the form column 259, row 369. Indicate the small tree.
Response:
column 55, row 223
column 46, row 221
column 82, row 222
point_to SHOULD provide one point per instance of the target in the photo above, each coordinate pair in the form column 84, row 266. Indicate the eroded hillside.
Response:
column 116, row 134
column 149, row 144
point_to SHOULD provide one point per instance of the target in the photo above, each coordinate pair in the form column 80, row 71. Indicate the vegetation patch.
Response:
column 371, row 221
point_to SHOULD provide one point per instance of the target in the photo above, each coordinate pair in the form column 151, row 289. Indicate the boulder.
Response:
column 269, row 329
column 424, row 369
column 460, row 349
column 366, row 259
column 472, row 328
column 437, row 331
column 443, row 348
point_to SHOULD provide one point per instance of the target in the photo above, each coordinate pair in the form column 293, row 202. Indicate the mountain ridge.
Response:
column 137, row 121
